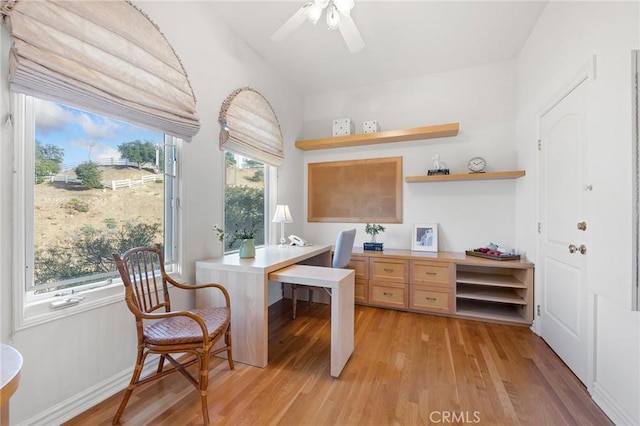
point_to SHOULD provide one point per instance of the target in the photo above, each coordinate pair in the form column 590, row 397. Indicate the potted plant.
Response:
column 246, row 237
column 373, row 229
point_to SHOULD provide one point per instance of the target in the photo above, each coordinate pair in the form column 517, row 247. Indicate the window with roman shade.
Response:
column 250, row 127
column 102, row 56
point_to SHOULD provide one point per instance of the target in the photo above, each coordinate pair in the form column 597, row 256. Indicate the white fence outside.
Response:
column 128, row 183
column 113, row 184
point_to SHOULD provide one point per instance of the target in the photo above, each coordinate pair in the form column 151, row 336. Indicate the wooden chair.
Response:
column 341, row 258
column 165, row 332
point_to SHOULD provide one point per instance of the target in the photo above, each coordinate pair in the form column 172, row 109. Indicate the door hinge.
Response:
column 539, row 227
column 539, row 145
column 538, row 310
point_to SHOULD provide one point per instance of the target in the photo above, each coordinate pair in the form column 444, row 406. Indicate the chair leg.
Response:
column 204, row 382
column 137, row 371
column 227, row 341
column 294, row 298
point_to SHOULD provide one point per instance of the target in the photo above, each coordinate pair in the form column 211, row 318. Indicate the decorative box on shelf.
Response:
column 373, row 246
column 343, row 127
column 438, row 172
column 370, row 127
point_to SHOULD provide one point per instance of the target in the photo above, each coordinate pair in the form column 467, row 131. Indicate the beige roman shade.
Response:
column 250, row 127
column 102, row 56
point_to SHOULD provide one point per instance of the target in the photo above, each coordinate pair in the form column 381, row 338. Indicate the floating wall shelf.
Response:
column 417, row 133
column 466, row 176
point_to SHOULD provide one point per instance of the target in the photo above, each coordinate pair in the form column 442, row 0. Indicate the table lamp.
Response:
column 283, row 215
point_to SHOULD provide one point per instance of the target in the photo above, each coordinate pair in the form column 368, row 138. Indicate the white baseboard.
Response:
column 612, row 408
column 82, row 401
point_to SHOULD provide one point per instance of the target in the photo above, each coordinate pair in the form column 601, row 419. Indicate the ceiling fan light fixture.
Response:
column 333, row 18
column 313, row 13
column 321, row 3
column 344, row 6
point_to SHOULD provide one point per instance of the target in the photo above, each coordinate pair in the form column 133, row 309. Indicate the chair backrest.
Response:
column 142, row 273
column 344, row 247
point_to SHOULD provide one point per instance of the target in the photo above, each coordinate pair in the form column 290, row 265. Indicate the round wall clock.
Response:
column 477, row 165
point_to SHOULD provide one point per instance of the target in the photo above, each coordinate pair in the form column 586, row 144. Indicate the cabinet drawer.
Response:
column 395, row 270
column 427, row 299
column 434, row 274
column 361, row 291
column 387, row 294
column 360, row 265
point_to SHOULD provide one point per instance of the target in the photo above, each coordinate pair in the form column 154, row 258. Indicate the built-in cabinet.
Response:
column 452, row 284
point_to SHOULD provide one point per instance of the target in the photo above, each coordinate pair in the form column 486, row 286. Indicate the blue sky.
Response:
column 85, row 136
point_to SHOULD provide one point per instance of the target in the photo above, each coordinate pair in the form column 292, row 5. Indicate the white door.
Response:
column 563, row 245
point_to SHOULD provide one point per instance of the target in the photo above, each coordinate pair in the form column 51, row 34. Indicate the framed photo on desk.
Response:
column 425, row 237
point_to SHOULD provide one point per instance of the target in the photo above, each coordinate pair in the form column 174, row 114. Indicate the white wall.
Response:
column 482, row 100
column 69, row 359
column 566, row 37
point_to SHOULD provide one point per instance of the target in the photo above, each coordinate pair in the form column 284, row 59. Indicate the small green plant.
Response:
column 373, row 230
column 110, row 222
column 77, row 205
column 239, row 235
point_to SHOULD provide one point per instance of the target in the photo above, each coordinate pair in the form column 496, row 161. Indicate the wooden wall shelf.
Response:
column 417, row 133
column 466, row 176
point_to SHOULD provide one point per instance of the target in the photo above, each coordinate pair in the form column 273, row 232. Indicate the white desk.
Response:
column 342, row 285
column 246, row 280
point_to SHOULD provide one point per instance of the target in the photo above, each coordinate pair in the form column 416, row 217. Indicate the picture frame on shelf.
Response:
column 425, row 237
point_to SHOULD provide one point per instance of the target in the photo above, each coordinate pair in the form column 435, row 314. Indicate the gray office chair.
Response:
column 341, row 258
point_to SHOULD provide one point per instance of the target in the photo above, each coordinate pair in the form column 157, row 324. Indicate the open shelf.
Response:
column 417, row 133
column 514, row 174
column 491, row 311
column 489, row 294
column 494, row 280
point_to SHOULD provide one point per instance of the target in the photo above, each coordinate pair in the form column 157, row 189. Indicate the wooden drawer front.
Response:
column 422, row 272
column 361, row 291
column 430, row 300
column 388, row 295
column 360, row 265
column 394, row 270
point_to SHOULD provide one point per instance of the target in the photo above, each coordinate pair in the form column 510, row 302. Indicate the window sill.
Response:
column 40, row 311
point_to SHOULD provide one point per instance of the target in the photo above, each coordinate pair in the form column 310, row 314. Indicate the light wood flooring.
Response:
column 407, row 369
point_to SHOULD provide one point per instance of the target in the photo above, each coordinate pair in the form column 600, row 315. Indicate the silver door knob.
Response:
column 582, row 226
column 572, row 248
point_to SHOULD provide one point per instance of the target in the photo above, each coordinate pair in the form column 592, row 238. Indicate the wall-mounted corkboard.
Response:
column 355, row 191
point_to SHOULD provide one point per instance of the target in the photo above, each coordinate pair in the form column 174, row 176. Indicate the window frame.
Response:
column 30, row 309
column 270, row 199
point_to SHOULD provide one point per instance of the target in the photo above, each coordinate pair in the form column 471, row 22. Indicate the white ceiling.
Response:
column 403, row 39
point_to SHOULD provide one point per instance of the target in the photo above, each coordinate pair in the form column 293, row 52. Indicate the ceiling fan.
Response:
column 338, row 14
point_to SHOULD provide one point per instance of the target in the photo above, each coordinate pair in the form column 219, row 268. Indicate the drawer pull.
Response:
column 388, row 294
column 432, row 299
column 388, row 270
column 431, row 273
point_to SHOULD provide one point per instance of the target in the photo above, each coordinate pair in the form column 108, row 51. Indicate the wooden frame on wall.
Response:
column 355, row 191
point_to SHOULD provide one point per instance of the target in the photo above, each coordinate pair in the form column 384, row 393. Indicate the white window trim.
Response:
column 28, row 309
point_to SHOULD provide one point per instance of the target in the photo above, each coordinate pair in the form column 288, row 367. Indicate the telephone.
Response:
column 297, row 241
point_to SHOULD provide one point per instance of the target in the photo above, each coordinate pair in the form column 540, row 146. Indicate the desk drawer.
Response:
column 430, row 299
column 360, row 265
column 431, row 273
column 388, row 294
column 394, row 270
column 361, row 291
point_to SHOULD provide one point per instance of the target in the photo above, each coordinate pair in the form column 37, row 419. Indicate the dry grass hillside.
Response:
column 57, row 220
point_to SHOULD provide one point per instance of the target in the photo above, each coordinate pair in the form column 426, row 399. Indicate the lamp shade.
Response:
column 282, row 215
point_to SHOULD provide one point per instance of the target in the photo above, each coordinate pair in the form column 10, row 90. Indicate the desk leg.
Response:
column 342, row 324
column 249, row 317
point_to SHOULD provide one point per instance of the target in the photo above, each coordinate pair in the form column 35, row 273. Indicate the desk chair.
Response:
column 169, row 333
column 341, row 258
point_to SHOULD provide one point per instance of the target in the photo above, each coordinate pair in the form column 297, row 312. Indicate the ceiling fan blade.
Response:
column 292, row 23
column 351, row 34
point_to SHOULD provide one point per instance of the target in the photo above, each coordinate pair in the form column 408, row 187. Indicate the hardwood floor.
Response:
column 407, row 369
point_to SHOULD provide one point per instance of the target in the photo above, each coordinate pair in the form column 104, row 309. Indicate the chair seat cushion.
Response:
column 181, row 329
